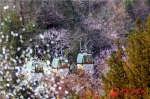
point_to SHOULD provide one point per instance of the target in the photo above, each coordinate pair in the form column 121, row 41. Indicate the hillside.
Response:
column 53, row 28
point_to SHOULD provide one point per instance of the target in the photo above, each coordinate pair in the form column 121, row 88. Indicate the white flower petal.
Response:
column 2, row 23
column 23, row 29
column 14, row 6
column 66, row 92
column 59, row 88
column 18, row 49
column 48, row 62
column 5, row 19
column 41, row 36
column 33, row 25
column 3, row 36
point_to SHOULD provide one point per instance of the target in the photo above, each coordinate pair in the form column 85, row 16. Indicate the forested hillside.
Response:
column 54, row 28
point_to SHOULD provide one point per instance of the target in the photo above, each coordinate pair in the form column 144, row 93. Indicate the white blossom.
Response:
column 53, row 88
column 59, row 88
column 31, row 51
column 55, row 85
column 6, row 7
column 14, row 6
column 41, row 36
column 18, row 80
column 20, row 36
column 2, row 23
column 17, row 74
column 33, row 25
column 12, row 33
column 7, row 84
column 23, row 29
column 8, row 17
column 66, row 92
column 48, row 62
column 16, row 34
column 3, row 36
column 1, row 32
column 5, row 19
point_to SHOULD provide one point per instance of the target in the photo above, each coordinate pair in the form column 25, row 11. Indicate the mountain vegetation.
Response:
column 129, row 67
column 118, row 35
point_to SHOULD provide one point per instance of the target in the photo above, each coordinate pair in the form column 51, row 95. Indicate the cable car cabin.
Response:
column 35, row 66
column 85, row 61
column 60, row 65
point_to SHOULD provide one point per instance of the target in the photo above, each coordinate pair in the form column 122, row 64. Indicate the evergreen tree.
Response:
column 11, row 27
column 11, row 38
column 116, row 77
column 133, row 73
column 138, row 51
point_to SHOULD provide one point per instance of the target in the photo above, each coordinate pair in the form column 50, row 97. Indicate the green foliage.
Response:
column 31, row 26
column 68, row 10
column 134, row 72
column 72, row 55
column 66, row 52
column 73, row 95
column 129, row 4
column 147, row 2
column 11, row 87
column 30, row 29
column 11, row 22
column 84, row 94
column 11, row 26
column 138, row 24
column 47, row 57
column 116, row 77
column 138, row 44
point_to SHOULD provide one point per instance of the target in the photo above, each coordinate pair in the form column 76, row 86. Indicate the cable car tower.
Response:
column 85, row 59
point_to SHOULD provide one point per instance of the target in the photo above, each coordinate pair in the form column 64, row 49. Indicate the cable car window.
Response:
column 88, row 59
column 84, row 59
column 37, row 67
column 59, row 64
column 33, row 69
column 55, row 63
column 29, row 65
column 79, row 58
column 63, row 65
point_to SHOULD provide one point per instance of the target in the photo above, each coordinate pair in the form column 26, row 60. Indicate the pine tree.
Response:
column 11, row 38
column 133, row 73
column 11, row 27
column 116, row 77
column 138, row 51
